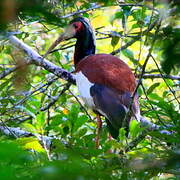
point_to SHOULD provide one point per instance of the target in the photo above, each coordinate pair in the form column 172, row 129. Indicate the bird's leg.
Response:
column 110, row 137
column 99, row 126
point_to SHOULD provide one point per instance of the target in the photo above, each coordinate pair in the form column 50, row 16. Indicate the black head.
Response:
column 80, row 29
column 82, row 26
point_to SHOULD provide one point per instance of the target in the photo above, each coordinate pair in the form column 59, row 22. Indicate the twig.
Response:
column 153, row 76
column 53, row 101
column 136, row 141
column 172, row 91
column 115, row 34
column 29, row 93
column 148, row 127
column 136, row 38
column 81, row 105
column 81, row 11
column 140, row 5
column 61, row 48
column 125, row 46
column 151, row 104
column 97, row 6
column 19, row 119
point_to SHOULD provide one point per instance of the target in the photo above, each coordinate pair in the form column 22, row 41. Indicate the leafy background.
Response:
column 61, row 130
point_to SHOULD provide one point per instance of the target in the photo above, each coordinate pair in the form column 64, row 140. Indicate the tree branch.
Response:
column 153, row 76
column 40, row 61
column 14, row 131
column 81, row 11
column 39, row 88
column 97, row 6
column 136, row 38
column 55, row 99
column 7, row 72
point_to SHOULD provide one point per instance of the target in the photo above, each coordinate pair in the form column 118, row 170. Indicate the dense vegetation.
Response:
column 47, row 132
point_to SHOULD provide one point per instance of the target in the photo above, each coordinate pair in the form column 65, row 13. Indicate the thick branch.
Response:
column 40, row 61
column 14, row 131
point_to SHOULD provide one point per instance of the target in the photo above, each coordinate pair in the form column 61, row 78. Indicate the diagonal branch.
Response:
column 14, row 131
column 7, row 72
column 55, row 99
column 17, row 132
column 40, row 61
column 82, row 11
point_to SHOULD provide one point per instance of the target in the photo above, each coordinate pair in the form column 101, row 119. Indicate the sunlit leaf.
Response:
column 151, row 88
column 114, row 41
column 134, row 128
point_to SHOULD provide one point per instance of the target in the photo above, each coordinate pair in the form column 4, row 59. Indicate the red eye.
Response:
column 75, row 26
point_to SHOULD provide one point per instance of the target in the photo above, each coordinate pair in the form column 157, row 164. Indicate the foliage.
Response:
column 62, row 131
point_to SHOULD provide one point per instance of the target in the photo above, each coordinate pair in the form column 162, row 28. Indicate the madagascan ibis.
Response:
column 105, row 83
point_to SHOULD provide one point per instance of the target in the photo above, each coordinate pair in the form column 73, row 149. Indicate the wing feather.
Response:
column 113, row 106
column 108, row 70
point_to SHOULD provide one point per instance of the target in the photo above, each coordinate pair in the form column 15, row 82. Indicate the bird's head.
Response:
column 77, row 28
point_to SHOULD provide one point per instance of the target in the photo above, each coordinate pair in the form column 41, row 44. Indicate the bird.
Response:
column 105, row 83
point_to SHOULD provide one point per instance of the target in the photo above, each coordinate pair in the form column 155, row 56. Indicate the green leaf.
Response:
column 86, row 15
column 79, row 122
column 134, row 26
column 30, row 143
column 10, row 153
column 82, row 132
column 66, row 130
column 128, row 53
column 122, row 134
column 137, row 15
column 156, row 97
column 36, row 103
column 57, row 55
column 43, row 98
column 126, row 10
column 29, row 110
column 134, row 128
column 56, row 120
column 118, row 15
column 73, row 114
column 114, row 41
column 140, row 91
column 29, row 127
column 40, row 118
column 151, row 88
column 4, row 84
